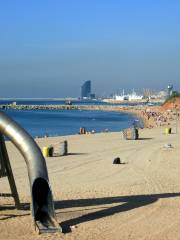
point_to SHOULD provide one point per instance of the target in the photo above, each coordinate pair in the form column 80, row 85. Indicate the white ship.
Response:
column 129, row 97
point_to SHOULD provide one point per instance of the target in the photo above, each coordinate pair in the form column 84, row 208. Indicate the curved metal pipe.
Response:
column 42, row 206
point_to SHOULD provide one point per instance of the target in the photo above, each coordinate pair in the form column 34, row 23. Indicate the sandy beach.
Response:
column 89, row 120
column 95, row 199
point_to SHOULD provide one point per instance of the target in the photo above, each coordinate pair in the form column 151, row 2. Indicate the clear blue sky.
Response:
column 49, row 47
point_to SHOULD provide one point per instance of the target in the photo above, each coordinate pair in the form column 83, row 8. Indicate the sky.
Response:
column 48, row 48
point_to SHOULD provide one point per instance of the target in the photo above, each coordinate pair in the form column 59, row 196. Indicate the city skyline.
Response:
column 49, row 49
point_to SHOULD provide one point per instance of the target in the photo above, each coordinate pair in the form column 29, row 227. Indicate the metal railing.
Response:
column 42, row 206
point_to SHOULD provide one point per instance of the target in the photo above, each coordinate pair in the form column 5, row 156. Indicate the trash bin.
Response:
column 131, row 134
column 51, row 151
column 45, row 151
column 167, row 131
column 63, row 148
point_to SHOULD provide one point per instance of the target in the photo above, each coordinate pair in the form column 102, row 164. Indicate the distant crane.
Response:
column 148, row 93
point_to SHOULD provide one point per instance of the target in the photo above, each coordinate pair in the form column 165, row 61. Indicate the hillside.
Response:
column 171, row 103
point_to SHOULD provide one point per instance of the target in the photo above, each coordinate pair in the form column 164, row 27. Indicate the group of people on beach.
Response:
column 157, row 117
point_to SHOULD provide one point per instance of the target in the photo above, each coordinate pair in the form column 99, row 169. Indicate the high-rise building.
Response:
column 86, row 89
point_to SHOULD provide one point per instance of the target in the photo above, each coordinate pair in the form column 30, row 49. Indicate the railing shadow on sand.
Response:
column 127, row 203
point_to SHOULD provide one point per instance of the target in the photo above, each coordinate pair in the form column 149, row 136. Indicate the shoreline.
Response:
column 150, row 116
column 125, row 110
column 138, row 111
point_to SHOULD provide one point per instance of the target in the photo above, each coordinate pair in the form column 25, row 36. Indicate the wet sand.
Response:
column 95, row 199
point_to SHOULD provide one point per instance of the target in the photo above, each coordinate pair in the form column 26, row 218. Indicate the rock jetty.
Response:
column 63, row 107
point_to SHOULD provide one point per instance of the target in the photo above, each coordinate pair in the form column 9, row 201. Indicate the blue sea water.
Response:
column 68, row 122
column 50, row 102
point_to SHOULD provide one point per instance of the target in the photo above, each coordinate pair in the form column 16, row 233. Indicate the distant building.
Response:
column 92, row 96
column 170, row 90
column 86, row 89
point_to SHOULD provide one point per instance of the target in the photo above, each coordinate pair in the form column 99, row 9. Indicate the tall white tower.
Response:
column 170, row 90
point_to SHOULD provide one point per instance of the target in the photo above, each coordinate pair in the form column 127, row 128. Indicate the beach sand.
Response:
column 95, row 199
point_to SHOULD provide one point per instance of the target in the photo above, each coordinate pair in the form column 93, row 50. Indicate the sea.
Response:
column 40, row 123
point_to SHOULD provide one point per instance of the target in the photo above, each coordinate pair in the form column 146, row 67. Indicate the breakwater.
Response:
column 68, row 107
column 38, row 107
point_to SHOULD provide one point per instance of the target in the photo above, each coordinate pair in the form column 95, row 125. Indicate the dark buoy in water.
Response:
column 117, row 161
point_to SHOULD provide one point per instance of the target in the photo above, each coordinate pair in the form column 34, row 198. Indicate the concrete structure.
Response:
column 86, row 89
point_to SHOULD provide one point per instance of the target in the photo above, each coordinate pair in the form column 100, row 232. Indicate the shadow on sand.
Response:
column 126, row 203
column 144, row 139
column 5, row 216
column 76, row 154
column 69, row 154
